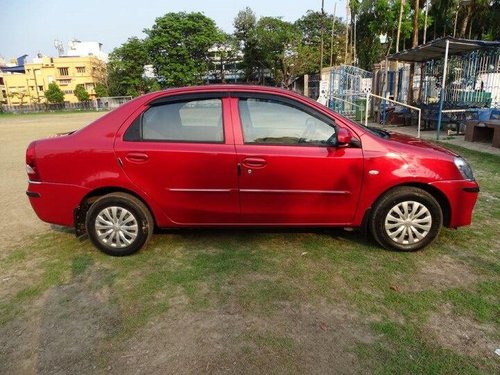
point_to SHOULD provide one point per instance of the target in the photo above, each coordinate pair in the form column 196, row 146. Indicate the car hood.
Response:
column 424, row 146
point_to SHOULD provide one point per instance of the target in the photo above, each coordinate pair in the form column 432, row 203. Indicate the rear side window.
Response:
column 186, row 121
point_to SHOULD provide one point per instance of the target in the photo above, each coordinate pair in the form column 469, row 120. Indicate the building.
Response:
column 224, row 65
column 78, row 48
column 67, row 72
column 24, row 83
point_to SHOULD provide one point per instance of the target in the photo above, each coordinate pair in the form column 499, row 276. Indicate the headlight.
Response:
column 464, row 168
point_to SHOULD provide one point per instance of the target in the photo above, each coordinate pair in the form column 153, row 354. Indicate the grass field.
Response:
column 255, row 301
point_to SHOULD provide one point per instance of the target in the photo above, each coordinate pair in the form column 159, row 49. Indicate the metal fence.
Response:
column 100, row 104
column 472, row 80
column 348, row 86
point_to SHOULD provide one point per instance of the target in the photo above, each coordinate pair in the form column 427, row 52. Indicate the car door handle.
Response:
column 254, row 162
column 137, row 157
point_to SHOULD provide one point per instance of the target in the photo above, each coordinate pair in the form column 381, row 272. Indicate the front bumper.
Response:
column 462, row 196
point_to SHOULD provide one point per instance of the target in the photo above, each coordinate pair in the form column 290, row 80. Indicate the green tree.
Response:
column 310, row 27
column 81, row 94
column 54, row 94
column 281, row 49
column 101, row 90
column 477, row 19
column 376, row 17
column 244, row 24
column 178, row 45
column 126, row 69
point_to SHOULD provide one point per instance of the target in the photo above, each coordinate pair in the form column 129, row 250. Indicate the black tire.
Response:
column 137, row 224
column 419, row 224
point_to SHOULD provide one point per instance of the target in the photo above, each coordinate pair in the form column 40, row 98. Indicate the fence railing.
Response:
column 368, row 94
column 100, row 104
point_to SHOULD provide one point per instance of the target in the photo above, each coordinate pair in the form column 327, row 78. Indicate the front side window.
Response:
column 268, row 121
column 187, row 121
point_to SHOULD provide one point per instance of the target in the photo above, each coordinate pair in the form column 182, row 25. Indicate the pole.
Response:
column 333, row 28
column 443, row 87
column 346, row 30
column 322, row 32
column 386, row 88
column 36, row 86
column 366, row 108
column 355, row 58
column 28, row 90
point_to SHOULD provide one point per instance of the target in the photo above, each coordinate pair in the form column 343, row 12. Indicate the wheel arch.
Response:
column 437, row 194
column 80, row 212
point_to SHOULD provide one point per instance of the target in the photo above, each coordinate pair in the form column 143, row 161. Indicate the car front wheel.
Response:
column 406, row 219
column 119, row 224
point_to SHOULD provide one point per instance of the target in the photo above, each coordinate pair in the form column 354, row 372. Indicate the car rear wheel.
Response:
column 119, row 224
column 406, row 219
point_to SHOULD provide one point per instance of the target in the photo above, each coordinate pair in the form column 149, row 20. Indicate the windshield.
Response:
column 371, row 129
column 376, row 131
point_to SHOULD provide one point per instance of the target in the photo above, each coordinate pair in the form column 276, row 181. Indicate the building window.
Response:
column 40, row 88
column 63, row 71
column 64, row 82
column 80, row 69
column 68, row 91
column 89, row 86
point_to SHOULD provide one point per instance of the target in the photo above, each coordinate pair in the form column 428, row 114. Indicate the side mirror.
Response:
column 344, row 136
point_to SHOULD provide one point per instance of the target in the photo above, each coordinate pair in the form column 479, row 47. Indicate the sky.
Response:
column 31, row 26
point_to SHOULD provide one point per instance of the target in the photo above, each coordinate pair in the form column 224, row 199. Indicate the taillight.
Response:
column 31, row 168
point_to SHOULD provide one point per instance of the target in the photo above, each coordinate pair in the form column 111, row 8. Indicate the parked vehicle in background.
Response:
column 234, row 155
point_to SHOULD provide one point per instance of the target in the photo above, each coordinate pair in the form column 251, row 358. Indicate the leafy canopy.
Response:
column 126, row 69
column 178, row 45
column 54, row 94
column 81, row 94
column 101, row 90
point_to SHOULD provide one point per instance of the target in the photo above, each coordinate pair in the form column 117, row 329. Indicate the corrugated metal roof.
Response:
column 435, row 50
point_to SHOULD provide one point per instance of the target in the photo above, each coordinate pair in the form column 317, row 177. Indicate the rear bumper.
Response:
column 54, row 203
column 462, row 196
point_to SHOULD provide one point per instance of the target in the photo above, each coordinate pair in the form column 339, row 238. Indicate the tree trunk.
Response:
column 463, row 28
column 415, row 24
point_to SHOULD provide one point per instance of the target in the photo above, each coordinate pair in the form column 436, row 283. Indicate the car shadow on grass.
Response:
column 353, row 237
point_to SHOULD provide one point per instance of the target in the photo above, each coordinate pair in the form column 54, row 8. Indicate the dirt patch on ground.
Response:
column 294, row 339
column 18, row 221
column 463, row 335
column 440, row 274
column 65, row 330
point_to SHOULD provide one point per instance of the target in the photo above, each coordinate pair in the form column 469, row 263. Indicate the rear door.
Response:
column 180, row 152
column 290, row 173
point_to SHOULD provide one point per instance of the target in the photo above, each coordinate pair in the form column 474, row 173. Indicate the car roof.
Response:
column 224, row 87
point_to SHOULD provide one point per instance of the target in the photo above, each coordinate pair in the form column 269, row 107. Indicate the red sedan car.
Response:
column 218, row 156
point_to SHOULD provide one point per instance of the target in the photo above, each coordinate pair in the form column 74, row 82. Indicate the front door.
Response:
column 289, row 171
